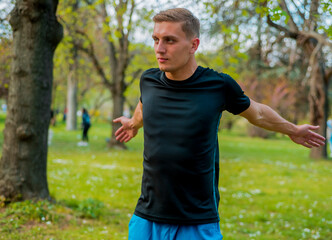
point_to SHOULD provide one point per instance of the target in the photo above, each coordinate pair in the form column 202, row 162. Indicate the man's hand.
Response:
column 127, row 131
column 306, row 137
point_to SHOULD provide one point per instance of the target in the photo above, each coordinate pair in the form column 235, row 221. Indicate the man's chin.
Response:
column 163, row 68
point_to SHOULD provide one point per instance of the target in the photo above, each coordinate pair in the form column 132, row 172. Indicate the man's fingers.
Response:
column 320, row 142
column 117, row 120
column 306, row 145
column 119, row 131
column 316, row 135
column 127, row 139
column 311, row 127
column 120, row 136
column 314, row 144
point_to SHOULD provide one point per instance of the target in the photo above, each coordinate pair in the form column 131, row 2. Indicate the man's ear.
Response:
column 194, row 45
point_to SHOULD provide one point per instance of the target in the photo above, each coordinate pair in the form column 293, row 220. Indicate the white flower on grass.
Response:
column 255, row 191
column 62, row 161
column 258, row 233
column 305, row 232
column 222, row 189
column 279, row 204
column 316, row 235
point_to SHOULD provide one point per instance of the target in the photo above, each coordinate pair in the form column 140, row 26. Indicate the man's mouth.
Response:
column 162, row 60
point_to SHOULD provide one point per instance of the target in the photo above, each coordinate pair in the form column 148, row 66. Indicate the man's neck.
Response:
column 182, row 74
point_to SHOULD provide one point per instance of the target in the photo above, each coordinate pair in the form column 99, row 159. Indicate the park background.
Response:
column 278, row 51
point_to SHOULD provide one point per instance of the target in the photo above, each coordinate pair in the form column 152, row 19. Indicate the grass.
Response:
column 269, row 189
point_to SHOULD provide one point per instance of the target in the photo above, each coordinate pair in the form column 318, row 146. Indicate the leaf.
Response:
column 117, row 34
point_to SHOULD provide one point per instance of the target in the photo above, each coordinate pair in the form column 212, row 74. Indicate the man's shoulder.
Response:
column 216, row 75
column 151, row 71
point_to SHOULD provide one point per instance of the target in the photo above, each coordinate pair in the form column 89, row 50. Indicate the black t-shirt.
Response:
column 181, row 155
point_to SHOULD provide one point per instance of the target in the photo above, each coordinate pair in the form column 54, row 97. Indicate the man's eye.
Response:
column 170, row 40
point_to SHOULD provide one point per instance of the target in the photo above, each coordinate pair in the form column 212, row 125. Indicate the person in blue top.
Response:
column 180, row 107
column 86, row 125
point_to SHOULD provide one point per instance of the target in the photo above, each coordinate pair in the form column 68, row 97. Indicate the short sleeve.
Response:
column 140, row 86
column 236, row 100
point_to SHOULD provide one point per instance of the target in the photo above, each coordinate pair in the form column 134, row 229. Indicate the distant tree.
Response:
column 307, row 23
column 116, row 24
column 72, row 79
column 36, row 34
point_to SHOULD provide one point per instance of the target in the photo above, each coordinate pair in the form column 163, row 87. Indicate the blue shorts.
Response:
column 142, row 229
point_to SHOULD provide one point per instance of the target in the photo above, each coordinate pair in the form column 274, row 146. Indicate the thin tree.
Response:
column 36, row 34
column 117, row 40
column 72, row 81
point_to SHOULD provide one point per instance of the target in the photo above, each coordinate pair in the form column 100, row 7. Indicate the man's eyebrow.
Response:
column 167, row 36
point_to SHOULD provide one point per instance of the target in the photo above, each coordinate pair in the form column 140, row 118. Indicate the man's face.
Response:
column 172, row 47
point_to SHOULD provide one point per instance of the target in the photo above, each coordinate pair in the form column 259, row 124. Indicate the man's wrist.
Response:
column 134, row 124
column 293, row 130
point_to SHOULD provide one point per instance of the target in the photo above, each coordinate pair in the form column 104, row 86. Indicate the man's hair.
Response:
column 190, row 24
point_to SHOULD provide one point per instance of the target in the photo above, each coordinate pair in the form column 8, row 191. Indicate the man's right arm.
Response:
column 130, row 126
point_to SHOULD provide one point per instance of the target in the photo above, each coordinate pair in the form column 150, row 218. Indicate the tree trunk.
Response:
column 118, row 102
column 71, row 119
column 318, row 103
column 72, row 81
column 36, row 33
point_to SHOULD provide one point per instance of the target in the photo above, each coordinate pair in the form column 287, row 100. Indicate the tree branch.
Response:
column 298, row 11
column 91, row 53
column 292, row 24
column 313, row 12
column 320, row 38
column 111, row 46
column 287, row 32
column 133, row 78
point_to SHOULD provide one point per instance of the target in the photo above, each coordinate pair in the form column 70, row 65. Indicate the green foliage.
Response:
column 24, row 213
column 88, row 208
column 277, row 14
column 5, row 66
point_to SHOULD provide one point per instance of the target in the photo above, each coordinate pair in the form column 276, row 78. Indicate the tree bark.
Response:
column 36, row 33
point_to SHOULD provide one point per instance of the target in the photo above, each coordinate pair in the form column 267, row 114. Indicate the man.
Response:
column 181, row 105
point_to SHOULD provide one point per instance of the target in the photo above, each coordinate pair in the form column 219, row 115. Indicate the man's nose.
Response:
column 160, row 47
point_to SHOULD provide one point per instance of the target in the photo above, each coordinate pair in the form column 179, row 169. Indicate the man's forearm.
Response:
column 137, row 119
column 271, row 120
column 265, row 117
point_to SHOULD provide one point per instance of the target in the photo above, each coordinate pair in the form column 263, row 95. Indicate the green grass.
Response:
column 269, row 189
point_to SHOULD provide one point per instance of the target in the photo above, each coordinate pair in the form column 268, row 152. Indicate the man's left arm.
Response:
column 265, row 117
